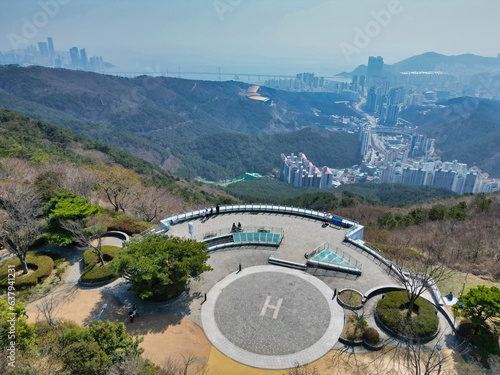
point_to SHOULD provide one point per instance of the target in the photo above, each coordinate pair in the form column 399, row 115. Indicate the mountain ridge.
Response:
column 162, row 119
column 432, row 61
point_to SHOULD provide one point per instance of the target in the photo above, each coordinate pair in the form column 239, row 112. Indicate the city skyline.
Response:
column 293, row 36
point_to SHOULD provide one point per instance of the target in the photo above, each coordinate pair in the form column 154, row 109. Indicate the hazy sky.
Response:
column 276, row 36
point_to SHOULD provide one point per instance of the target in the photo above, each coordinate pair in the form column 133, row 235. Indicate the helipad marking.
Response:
column 275, row 308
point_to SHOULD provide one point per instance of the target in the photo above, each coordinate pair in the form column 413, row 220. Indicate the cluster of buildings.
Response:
column 450, row 175
column 302, row 82
column 389, row 92
column 409, row 162
column 382, row 99
column 80, row 61
column 44, row 54
column 386, row 102
column 413, row 163
column 298, row 171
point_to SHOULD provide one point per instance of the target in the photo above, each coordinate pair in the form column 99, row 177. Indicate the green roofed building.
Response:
column 244, row 177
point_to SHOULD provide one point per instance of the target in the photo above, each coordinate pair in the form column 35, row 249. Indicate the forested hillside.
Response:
column 52, row 159
column 465, row 129
column 272, row 191
column 191, row 127
column 396, row 195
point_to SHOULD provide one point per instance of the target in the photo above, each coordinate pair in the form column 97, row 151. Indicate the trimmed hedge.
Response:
column 93, row 271
column 42, row 264
column 392, row 312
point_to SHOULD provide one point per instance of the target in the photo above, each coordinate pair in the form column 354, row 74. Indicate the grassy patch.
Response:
column 42, row 265
column 392, row 312
column 94, row 272
column 455, row 282
column 351, row 297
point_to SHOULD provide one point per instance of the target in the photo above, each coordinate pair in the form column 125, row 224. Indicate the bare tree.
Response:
column 119, row 184
column 81, row 181
column 150, row 204
column 302, row 370
column 17, row 169
column 135, row 365
column 20, row 225
column 177, row 367
column 88, row 233
column 401, row 356
column 418, row 274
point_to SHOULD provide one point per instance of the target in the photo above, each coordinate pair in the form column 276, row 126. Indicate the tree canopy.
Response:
column 160, row 266
column 481, row 305
column 65, row 206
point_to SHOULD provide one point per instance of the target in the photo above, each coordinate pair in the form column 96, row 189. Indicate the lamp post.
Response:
column 438, row 347
column 463, row 285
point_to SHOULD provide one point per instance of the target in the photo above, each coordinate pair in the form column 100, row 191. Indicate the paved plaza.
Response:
column 300, row 235
column 272, row 317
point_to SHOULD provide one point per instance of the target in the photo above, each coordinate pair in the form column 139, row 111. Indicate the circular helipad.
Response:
column 272, row 317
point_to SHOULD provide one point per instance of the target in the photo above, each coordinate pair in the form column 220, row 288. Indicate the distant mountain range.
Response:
column 432, row 61
column 195, row 128
column 465, row 129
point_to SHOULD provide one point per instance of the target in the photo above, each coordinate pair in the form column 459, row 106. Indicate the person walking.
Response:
column 131, row 316
column 134, row 310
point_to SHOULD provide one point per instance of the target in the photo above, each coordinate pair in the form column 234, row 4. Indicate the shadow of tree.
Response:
column 114, row 310
column 151, row 318
column 152, row 323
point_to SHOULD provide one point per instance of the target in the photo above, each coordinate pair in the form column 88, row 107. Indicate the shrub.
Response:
column 354, row 328
column 392, row 312
column 124, row 223
column 42, row 264
column 85, row 358
column 94, row 272
column 371, row 336
column 481, row 336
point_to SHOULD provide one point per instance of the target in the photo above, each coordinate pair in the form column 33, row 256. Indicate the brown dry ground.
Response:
column 333, row 363
column 166, row 336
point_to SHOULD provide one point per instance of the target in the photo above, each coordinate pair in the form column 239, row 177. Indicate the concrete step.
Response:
column 287, row 263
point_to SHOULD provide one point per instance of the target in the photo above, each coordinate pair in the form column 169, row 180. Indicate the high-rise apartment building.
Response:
column 75, row 57
column 50, row 43
column 83, row 59
column 375, row 67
